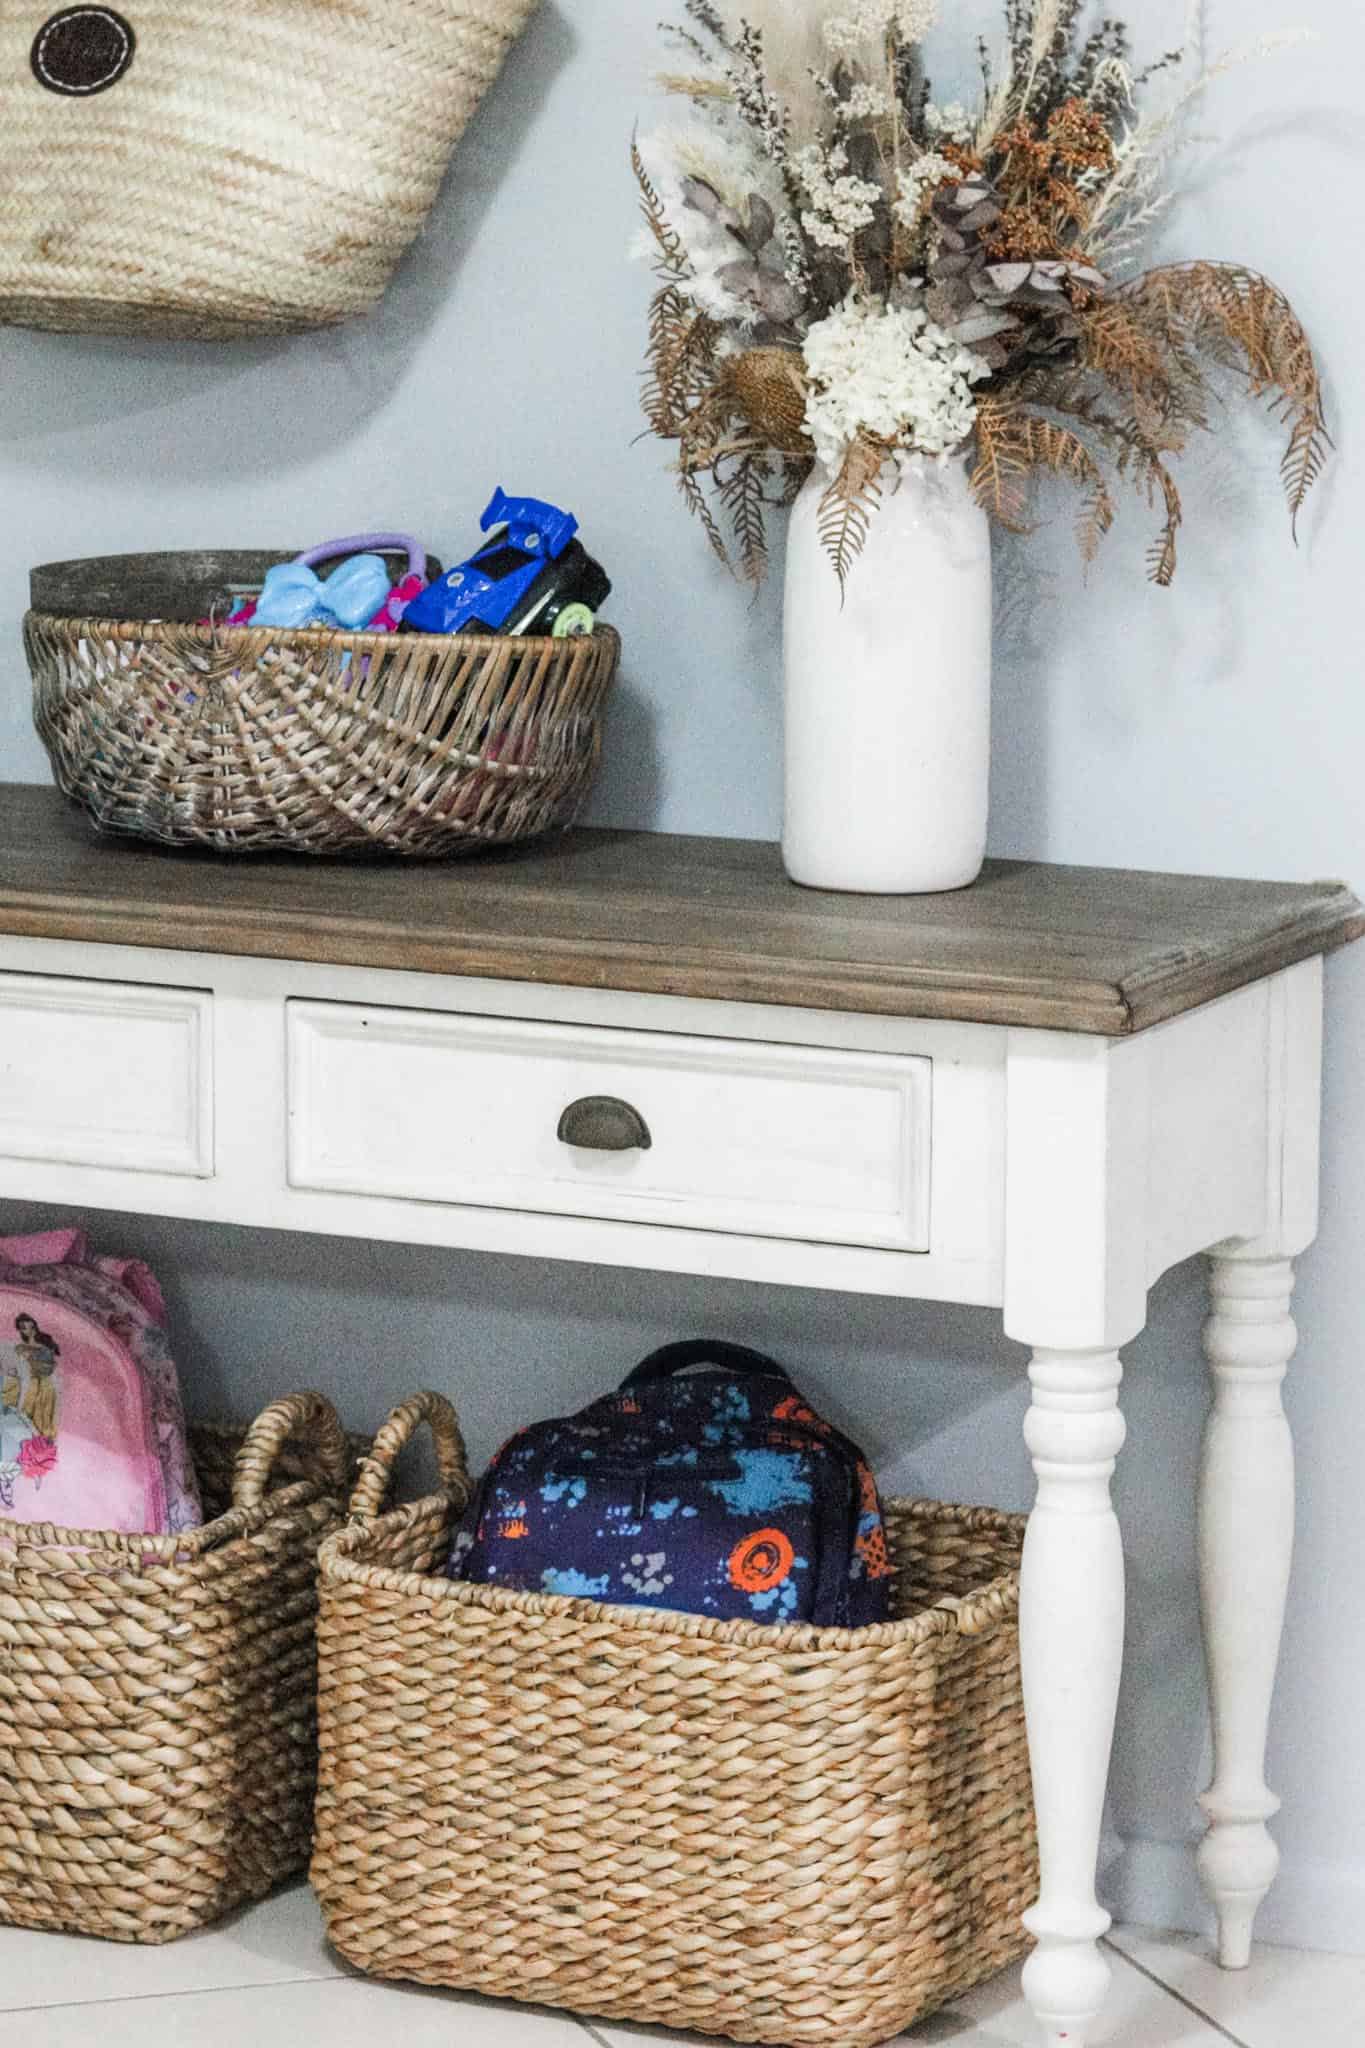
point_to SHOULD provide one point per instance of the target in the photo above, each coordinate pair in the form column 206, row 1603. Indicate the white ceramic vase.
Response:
column 888, row 691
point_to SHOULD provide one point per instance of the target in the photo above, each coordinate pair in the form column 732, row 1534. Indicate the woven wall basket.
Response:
column 782, row 1835
column 252, row 740
column 202, row 169
column 157, row 1694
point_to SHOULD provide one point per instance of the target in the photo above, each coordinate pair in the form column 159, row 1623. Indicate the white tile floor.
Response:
column 268, row 1981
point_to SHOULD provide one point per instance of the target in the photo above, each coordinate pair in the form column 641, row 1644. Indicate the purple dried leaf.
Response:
column 1008, row 278
column 781, row 301
column 762, row 223
column 705, row 199
column 1082, row 273
column 981, row 326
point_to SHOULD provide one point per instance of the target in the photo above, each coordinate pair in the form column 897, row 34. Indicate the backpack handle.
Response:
column 376, row 1471
column 676, row 1358
column 312, row 1419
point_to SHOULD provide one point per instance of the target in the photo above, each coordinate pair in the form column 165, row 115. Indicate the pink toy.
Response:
column 400, row 597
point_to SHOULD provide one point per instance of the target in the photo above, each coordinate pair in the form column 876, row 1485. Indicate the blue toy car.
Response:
column 530, row 576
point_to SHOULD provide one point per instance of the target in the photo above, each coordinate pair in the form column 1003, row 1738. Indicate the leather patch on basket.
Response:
column 82, row 51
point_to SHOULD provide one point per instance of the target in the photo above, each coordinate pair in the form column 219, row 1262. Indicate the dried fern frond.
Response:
column 846, row 510
column 690, row 397
column 671, row 324
column 696, row 501
column 1132, row 349
column 1013, row 445
column 749, row 482
column 1000, row 476
column 681, row 367
column 1137, row 456
column 672, row 257
column 1140, row 342
column 1161, row 556
column 743, row 493
column 1240, row 319
column 1141, row 383
column 1140, row 459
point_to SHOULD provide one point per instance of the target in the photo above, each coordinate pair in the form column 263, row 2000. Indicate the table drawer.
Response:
column 768, row 1141
column 102, row 1073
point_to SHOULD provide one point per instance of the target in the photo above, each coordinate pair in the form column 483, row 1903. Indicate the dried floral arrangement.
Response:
column 848, row 269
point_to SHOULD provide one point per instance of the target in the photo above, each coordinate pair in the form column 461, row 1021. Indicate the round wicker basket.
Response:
column 249, row 739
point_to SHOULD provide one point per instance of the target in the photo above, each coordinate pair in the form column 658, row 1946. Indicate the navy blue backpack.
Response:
column 717, row 1493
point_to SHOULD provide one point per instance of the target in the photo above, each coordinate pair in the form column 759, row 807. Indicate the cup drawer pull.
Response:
column 603, row 1123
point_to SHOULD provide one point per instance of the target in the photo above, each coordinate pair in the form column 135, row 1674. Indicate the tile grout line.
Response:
column 19, row 2012
column 590, row 2030
column 1178, row 1996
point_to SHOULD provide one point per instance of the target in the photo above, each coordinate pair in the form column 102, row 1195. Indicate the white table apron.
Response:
column 1055, row 1175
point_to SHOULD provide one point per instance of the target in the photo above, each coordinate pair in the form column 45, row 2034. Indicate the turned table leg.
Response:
column 1246, row 1535
column 1071, row 1631
column 1079, row 1123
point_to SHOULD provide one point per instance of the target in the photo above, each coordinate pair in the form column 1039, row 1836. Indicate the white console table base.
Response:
column 1052, row 1173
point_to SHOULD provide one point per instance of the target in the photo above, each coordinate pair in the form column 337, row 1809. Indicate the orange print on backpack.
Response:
column 794, row 1409
column 760, row 1562
column 876, row 1557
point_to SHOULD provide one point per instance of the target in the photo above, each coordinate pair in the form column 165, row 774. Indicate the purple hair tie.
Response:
column 370, row 544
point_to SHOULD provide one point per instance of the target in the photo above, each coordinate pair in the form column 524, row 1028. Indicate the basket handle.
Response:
column 310, row 1416
column 376, row 1471
column 370, row 544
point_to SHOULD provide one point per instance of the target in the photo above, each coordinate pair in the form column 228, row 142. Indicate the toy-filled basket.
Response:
column 268, row 740
column 182, row 168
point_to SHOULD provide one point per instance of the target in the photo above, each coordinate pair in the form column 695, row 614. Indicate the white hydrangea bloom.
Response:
column 888, row 371
column 841, row 204
column 918, row 182
column 862, row 21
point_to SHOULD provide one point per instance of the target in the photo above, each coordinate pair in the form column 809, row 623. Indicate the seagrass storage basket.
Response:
column 158, row 1694
column 255, row 740
column 783, row 1835
column 188, row 169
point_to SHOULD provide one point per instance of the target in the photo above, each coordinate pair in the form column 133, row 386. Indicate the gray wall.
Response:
column 1217, row 728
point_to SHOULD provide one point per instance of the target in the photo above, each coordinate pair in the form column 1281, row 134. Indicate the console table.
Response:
column 655, row 1052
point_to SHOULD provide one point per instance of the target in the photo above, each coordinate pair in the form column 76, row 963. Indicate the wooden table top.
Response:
column 1075, row 949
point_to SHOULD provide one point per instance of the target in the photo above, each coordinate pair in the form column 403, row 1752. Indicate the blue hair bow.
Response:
column 295, row 595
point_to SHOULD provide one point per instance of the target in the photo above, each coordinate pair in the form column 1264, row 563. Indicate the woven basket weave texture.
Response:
column 249, row 739
column 781, row 1835
column 158, row 1694
column 260, row 167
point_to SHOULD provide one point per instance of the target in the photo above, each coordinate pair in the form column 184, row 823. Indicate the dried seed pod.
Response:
column 769, row 387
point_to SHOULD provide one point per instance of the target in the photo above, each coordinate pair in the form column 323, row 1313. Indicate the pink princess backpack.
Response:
column 92, row 1431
